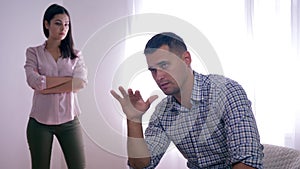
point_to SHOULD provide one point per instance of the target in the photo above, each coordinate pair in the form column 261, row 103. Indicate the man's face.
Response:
column 168, row 70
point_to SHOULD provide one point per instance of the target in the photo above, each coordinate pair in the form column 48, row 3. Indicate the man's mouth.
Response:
column 164, row 85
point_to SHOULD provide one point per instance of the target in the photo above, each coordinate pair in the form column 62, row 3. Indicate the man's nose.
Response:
column 160, row 74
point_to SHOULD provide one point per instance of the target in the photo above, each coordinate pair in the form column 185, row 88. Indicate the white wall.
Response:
column 21, row 27
column 256, row 42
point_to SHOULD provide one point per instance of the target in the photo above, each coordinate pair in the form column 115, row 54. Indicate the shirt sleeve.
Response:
column 243, row 138
column 80, row 69
column 33, row 78
column 156, row 140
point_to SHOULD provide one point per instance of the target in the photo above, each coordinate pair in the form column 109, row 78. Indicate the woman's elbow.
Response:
column 79, row 84
column 36, row 84
column 82, row 84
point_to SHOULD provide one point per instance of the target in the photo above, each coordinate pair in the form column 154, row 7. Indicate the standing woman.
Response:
column 56, row 72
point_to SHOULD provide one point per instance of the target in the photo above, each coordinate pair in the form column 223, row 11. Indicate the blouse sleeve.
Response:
column 80, row 70
column 33, row 78
column 157, row 141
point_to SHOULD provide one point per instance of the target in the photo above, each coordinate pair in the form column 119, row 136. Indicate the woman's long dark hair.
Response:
column 67, row 44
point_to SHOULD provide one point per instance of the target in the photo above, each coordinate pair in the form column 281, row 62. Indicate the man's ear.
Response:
column 186, row 57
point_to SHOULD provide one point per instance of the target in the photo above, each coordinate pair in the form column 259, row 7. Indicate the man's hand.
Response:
column 133, row 104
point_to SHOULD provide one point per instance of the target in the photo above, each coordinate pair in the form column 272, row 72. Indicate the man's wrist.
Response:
column 134, row 121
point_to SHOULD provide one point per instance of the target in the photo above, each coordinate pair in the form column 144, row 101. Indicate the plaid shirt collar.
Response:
column 199, row 94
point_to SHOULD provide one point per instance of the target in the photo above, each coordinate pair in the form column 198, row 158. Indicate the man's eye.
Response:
column 164, row 66
column 152, row 70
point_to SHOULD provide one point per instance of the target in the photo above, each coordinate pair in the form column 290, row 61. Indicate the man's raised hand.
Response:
column 132, row 103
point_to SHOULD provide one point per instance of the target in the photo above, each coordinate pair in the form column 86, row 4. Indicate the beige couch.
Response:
column 278, row 157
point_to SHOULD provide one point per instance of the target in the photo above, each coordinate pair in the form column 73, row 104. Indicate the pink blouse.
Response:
column 52, row 109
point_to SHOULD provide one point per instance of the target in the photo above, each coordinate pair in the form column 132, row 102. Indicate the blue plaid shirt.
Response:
column 218, row 131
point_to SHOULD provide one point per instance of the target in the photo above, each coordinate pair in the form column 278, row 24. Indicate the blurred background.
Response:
column 256, row 43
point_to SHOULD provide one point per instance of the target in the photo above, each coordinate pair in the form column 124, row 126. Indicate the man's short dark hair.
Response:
column 174, row 42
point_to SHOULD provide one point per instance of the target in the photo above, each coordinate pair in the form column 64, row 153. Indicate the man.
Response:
column 207, row 117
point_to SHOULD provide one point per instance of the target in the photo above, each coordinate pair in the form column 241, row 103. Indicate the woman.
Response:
column 55, row 71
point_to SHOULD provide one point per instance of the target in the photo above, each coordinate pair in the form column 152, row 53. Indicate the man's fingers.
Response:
column 138, row 94
column 115, row 95
column 123, row 91
column 152, row 98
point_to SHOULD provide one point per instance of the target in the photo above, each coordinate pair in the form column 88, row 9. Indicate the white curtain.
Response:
column 257, row 44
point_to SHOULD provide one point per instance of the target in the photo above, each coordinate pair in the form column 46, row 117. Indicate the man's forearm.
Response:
column 241, row 166
column 138, row 153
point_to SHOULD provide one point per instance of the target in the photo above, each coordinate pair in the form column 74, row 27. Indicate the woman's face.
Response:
column 58, row 27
